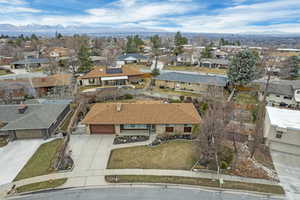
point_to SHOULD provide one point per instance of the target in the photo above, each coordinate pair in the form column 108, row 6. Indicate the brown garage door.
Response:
column 102, row 129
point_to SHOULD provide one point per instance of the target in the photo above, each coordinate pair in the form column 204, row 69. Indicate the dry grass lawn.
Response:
column 40, row 163
column 171, row 155
column 41, row 185
column 273, row 189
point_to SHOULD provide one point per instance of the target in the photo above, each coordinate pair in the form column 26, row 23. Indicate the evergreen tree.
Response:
column 34, row 37
column 291, row 69
column 242, row 68
column 179, row 40
column 155, row 72
column 84, row 59
column 59, row 35
column 156, row 44
column 131, row 46
column 207, row 52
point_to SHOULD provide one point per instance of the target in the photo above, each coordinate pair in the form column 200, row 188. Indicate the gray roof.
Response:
column 280, row 87
column 36, row 116
column 31, row 61
column 193, row 78
column 135, row 55
column 215, row 61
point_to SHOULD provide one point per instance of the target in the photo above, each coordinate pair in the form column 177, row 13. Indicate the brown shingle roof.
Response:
column 49, row 81
column 135, row 113
column 101, row 72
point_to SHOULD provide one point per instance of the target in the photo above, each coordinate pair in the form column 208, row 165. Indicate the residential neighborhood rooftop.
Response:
column 135, row 113
column 31, row 61
column 131, row 55
column 105, row 72
column 193, row 78
column 37, row 82
column 284, row 118
column 36, row 116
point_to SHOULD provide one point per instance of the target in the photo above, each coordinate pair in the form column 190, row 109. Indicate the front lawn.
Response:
column 172, row 155
column 40, row 163
column 244, row 98
column 66, row 122
column 273, row 189
column 41, row 185
column 3, row 142
column 168, row 91
column 4, row 72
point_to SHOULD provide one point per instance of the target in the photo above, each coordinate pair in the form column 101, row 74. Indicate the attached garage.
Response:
column 102, row 129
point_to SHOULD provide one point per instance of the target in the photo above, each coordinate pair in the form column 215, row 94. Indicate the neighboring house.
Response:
column 5, row 60
column 59, row 52
column 187, row 59
column 16, row 90
column 132, row 58
column 197, row 83
column 30, row 63
column 220, row 54
column 110, row 76
column 281, row 92
column 31, row 55
column 214, row 63
column 31, row 121
column 282, row 130
column 98, row 60
column 141, row 119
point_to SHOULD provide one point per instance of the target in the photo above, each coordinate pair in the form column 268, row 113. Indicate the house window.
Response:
column 187, row 128
column 169, row 129
column 91, row 81
column 134, row 126
column 279, row 134
column 285, row 97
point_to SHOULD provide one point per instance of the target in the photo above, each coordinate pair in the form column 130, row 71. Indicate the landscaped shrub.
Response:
column 226, row 155
column 224, row 165
column 128, row 96
column 175, row 101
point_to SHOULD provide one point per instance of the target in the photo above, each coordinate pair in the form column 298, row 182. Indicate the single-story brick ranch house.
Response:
column 197, row 83
column 27, row 121
column 130, row 119
column 110, row 76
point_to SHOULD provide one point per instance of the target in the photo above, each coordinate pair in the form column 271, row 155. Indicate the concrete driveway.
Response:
column 14, row 156
column 288, row 169
column 90, row 152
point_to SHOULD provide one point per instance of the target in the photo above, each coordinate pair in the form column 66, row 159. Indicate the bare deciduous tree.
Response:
column 213, row 129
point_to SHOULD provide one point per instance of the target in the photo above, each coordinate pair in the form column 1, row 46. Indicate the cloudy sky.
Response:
column 219, row 16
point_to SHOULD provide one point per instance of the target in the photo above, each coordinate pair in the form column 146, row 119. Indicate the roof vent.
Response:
column 22, row 108
column 119, row 107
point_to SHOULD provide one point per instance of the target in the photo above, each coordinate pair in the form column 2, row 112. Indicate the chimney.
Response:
column 22, row 108
column 119, row 107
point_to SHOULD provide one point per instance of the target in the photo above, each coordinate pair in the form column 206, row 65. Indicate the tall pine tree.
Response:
column 84, row 59
column 242, row 68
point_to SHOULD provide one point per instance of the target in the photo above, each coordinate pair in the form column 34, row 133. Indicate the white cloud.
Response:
column 242, row 16
column 12, row 2
column 16, row 6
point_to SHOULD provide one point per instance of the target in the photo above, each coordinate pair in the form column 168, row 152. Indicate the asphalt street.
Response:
column 143, row 193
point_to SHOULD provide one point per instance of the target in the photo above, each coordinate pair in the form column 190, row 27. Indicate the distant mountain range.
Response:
column 69, row 30
column 47, row 30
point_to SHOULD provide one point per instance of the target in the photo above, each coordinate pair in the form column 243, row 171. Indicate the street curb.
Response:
column 147, row 185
